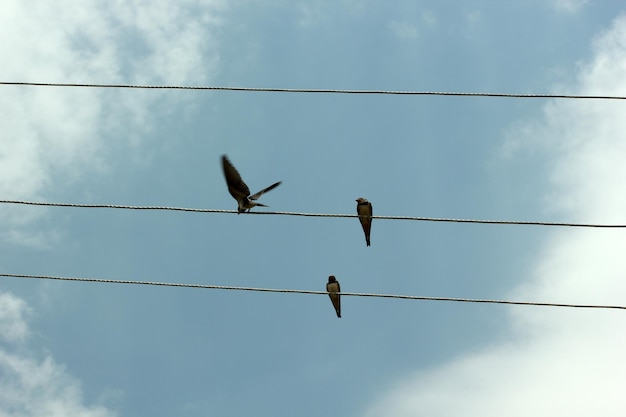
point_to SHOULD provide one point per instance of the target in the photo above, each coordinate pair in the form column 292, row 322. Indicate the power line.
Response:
column 314, row 90
column 348, row 294
column 290, row 213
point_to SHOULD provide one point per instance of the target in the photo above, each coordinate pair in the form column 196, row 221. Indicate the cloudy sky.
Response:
column 94, row 349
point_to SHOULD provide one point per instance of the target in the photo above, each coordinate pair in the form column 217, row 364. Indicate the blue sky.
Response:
column 100, row 350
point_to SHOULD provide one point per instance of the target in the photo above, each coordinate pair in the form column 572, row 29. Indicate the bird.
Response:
column 364, row 210
column 239, row 190
column 333, row 292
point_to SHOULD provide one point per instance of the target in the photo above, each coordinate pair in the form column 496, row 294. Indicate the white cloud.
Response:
column 556, row 361
column 429, row 18
column 473, row 22
column 473, row 17
column 13, row 313
column 570, row 6
column 403, row 30
column 30, row 386
column 53, row 136
column 411, row 30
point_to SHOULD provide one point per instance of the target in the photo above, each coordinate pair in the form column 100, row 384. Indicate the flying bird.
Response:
column 239, row 190
column 333, row 292
column 364, row 210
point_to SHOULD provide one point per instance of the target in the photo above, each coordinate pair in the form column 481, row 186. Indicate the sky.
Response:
column 103, row 350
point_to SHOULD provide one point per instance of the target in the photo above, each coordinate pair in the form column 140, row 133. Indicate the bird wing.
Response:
column 236, row 187
column 260, row 193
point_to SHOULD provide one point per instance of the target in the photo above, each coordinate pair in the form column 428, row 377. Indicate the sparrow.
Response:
column 364, row 210
column 239, row 190
column 333, row 292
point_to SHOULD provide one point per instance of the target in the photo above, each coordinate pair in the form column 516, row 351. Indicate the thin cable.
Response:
column 313, row 90
column 349, row 294
column 289, row 213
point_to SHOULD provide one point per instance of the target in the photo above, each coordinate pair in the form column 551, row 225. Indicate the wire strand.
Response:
column 349, row 294
column 313, row 90
column 289, row 213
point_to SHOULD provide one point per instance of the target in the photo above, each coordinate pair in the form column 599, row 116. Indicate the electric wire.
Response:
column 315, row 90
column 291, row 291
column 290, row 213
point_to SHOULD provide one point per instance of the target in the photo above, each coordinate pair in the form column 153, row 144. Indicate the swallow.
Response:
column 333, row 292
column 364, row 210
column 239, row 190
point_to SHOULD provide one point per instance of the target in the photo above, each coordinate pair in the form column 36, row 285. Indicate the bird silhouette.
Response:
column 239, row 190
column 333, row 292
column 364, row 210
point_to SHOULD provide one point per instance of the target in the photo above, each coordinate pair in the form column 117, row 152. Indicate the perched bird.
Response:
column 364, row 210
column 333, row 292
column 239, row 190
